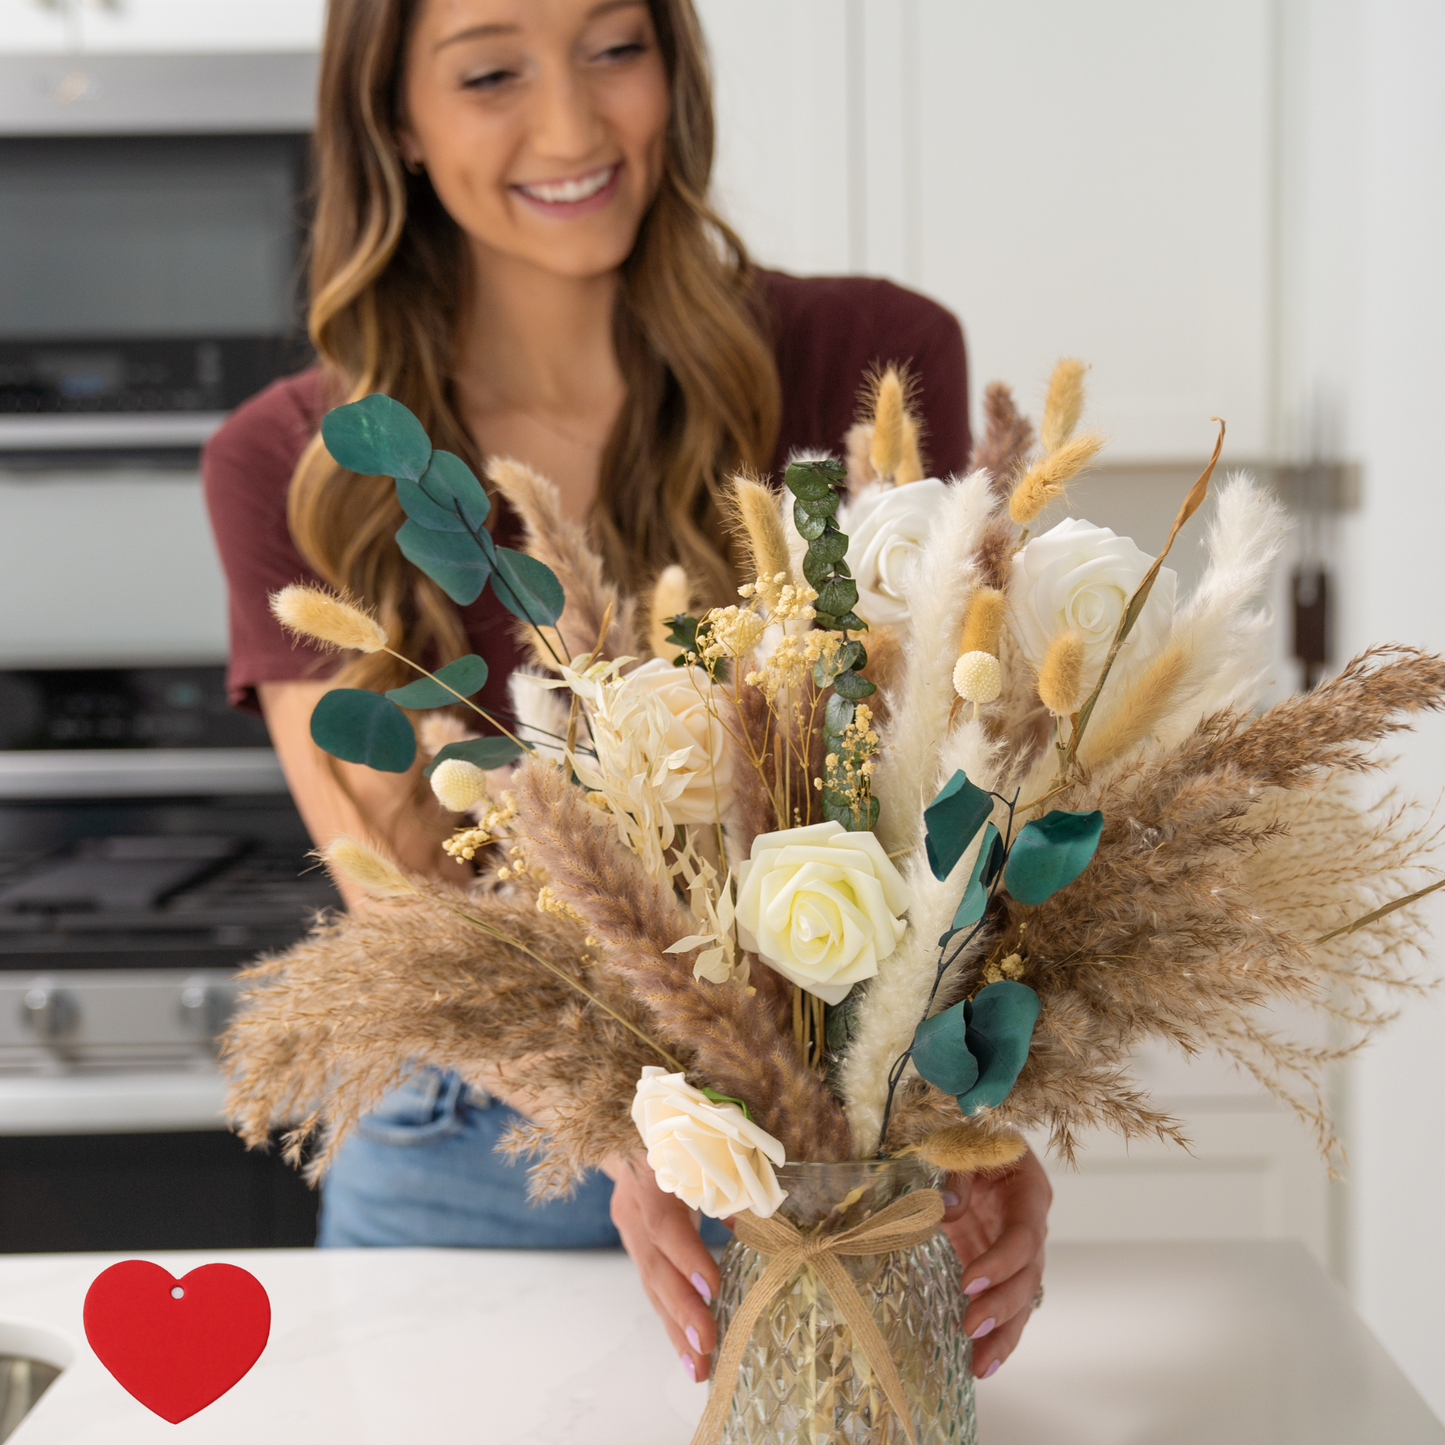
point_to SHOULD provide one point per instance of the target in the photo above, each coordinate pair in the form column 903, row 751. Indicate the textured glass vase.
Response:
column 803, row 1378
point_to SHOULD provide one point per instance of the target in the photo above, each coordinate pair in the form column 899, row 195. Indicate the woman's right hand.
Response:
column 679, row 1274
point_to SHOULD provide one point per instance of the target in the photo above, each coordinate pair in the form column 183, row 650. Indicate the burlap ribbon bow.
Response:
column 906, row 1221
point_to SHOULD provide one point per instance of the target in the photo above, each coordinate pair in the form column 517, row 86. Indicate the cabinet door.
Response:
column 151, row 25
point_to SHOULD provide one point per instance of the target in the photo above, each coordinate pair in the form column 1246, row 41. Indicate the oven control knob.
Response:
column 49, row 1013
column 207, row 1007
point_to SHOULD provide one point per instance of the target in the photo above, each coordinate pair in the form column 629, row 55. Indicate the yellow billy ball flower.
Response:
column 458, row 785
column 978, row 677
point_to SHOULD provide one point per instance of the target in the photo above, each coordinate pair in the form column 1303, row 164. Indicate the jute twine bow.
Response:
column 906, row 1221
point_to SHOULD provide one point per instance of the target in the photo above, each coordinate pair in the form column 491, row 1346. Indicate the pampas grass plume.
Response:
column 367, row 869
column 1064, row 404
column 886, row 452
column 458, row 784
column 671, row 597
column 1062, row 675
column 757, row 510
column 327, row 618
column 983, row 622
column 1047, row 478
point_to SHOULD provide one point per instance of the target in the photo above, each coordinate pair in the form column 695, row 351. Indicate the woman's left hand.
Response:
column 997, row 1229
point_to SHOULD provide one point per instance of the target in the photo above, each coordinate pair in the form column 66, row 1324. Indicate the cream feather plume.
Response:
column 937, row 593
column 894, row 1003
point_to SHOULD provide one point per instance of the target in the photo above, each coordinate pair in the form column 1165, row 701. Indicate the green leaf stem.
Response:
column 467, row 675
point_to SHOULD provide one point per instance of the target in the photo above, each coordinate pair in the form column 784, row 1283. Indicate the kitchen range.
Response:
column 148, row 849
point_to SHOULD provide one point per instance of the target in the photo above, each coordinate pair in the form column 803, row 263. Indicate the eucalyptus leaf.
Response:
column 480, row 752
column 527, row 588
column 1000, row 1027
column 837, row 714
column 808, row 525
column 977, row 1049
column 377, row 437
column 838, row 596
column 853, row 685
column 812, row 481
column 849, row 622
column 831, row 547
column 985, row 869
column 820, row 506
column 451, row 559
column 448, row 498
column 1050, row 853
column 941, row 1053
column 359, row 726
column 467, row 675
column 952, row 820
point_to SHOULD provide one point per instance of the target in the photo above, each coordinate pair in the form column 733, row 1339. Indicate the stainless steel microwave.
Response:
column 152, row 216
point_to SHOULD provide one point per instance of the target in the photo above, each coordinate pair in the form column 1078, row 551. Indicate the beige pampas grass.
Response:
column 564, row 546
column 671, row 597
column 1046, row 480
column 368, row 869
column 327, row 618
column 756, row 509
column 1064, row 404
column 1061, row 678
column 983, row 622
column 342, row 1017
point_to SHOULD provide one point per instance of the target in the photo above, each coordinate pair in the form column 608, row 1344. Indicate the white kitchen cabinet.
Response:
column 108, row 26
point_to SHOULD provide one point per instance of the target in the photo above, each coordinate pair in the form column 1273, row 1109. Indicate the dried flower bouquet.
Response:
column 905, row 852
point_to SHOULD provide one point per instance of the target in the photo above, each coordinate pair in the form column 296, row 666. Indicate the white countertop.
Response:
column 112, row 1101
column 1143, row 1344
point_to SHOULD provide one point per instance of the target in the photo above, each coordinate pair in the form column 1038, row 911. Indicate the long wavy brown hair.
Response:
column 387, row 265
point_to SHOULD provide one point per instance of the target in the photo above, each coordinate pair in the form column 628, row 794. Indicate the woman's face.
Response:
column 540, row 122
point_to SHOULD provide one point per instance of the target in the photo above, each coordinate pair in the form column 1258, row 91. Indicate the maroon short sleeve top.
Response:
column 827, row 332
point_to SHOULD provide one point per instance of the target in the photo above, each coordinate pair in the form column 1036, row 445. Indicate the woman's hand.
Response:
column 680, row 1276
column 997, row 1229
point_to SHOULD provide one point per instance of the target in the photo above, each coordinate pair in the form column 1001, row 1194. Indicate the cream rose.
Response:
column 681, row 691
column 1082, row 576
column 821, row 905
column 710, row 1155
column 886, row 528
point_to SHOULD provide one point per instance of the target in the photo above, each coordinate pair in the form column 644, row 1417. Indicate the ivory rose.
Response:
column 1080, row 576
column 681, row 691
column 821, row 905
column 886, row 529
column 710, row 1155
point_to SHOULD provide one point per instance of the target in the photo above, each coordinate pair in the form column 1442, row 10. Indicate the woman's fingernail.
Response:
column 700, row 1285
column 977, row 1287
column 692, row 1338
column 984, row 1328
column 992, row 1368
column 691, row 1368
column 950, row 1199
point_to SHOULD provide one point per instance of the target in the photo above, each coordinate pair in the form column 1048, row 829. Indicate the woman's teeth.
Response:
column 578, row 190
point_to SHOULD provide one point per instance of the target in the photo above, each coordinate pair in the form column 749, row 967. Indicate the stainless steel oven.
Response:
column 152, row 214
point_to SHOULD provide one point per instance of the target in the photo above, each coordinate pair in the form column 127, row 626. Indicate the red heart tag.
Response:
column 177, row 1345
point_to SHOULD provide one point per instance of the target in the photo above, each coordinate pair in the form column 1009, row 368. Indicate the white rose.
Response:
column 681, row 691
column 1082, row 576
column 710, row 1155
column 821, row 905
column 886, row 529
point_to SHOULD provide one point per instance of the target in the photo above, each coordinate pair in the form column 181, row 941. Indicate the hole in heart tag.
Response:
column 177, row 1345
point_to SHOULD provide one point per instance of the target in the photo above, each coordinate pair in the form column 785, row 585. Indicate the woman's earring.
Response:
column 414, row 167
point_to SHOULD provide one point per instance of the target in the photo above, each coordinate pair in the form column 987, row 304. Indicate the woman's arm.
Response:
column 335, row 797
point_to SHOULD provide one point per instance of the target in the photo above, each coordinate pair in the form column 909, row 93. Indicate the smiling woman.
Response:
column 513, row 238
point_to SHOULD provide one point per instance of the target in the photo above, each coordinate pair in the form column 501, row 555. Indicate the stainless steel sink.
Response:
column 22, row 1382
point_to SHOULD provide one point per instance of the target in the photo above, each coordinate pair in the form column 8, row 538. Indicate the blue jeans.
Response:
column 420, row 1170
